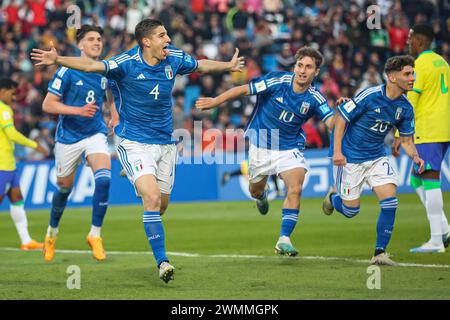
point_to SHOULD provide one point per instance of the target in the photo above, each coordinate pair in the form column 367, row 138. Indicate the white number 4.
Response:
column 155, row 91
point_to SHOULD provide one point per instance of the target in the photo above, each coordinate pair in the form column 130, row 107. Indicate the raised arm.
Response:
column 52, row 104
column 51, row 57
column 235, row 64
column 339, row 129
column 410, row 149
column 233, row 93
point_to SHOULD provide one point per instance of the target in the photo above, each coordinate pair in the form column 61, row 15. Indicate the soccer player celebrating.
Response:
column 431, row 102
column 359, row 154
column 285, row 101
column 9, row 177
column 144, row 82
column 78, row 97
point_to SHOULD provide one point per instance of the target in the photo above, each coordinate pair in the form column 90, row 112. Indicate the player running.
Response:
column 285, row 101
column 431, row 102
column 147, row 151
column 9, row 177
column 359, row 155
column 81, row 132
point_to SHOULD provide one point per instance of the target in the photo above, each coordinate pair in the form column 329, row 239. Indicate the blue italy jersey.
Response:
column 370, row 116
column 145, row 94
column 77, row 88
column 277, row 119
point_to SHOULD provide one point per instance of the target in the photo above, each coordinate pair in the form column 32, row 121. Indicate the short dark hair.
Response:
column 7, row 84
column 309, row 52
column 425, row 30
column 144, row 28
column 85, row 28
column 397, row 63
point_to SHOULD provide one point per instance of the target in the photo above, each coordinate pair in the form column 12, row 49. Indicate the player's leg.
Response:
column 18, row 213
column 383, row 181
column 67, row 159
column 228, row 175
column 140, row 162
column 293, row 180
column 258, row 191
column 101, row 166
column 429, row 182
column 99, row 160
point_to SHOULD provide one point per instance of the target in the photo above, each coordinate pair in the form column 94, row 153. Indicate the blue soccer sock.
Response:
column 385, row 223
column 288, row 221
column 155, row 234
column 348, row 212
column 58, row 205
column 101, row 194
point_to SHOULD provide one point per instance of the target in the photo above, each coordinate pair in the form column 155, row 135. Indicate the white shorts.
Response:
column 69, row 156
column 265, row 162
column 139, row 159
column 350, row 179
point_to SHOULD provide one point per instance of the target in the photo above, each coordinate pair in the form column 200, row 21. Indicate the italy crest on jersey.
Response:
column 169, row 72
column 398, row 113
column 304, row 108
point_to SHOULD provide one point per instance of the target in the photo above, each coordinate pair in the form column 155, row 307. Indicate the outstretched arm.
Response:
column 52, row 104
column 233, row 93
column 235, row 64
column 51, row 57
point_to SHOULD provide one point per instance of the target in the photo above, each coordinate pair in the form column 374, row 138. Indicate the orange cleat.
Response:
column 32, row 245
column 49, row 248
column 97, row 247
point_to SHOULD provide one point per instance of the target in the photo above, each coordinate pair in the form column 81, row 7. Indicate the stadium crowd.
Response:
column 267, row 33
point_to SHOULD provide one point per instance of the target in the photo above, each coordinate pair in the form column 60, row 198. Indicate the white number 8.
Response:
column 90, row 96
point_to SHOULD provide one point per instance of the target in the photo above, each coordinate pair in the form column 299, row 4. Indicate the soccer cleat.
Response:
column 327, row 205
column 166, row 271
column 428, row 248
column 49, row 248
column 32, row 245
column 285, row 249
column 446, row 239
column 382, row 259
column 97, row 247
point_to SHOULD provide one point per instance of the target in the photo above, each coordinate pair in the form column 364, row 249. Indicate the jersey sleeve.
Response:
column 322, row 109
column 187, row 65
column 60, row 82
column 7, row 125
column 263, row 84
column 406, row 124
column 117, row 67
column 351, row 110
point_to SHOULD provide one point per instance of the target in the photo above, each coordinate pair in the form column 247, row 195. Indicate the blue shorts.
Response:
column 433, row 154
column 8, row 180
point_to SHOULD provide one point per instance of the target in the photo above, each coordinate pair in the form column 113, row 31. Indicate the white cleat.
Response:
column 166, row 271
column 428, row 247
column 382, row 259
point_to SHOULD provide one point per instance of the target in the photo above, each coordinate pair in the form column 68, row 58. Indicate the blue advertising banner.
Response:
column 194, row 181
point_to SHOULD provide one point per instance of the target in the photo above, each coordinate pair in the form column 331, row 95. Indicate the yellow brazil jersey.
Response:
column 8, row 136
column 7, row 161
column 431, row 99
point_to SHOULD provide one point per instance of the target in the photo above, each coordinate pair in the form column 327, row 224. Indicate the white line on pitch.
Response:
column 241, row 256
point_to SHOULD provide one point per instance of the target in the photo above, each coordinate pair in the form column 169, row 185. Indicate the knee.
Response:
column 151, row 200
column 294, row 191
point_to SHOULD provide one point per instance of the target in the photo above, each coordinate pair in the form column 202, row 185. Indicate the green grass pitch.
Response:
column 226, row 251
